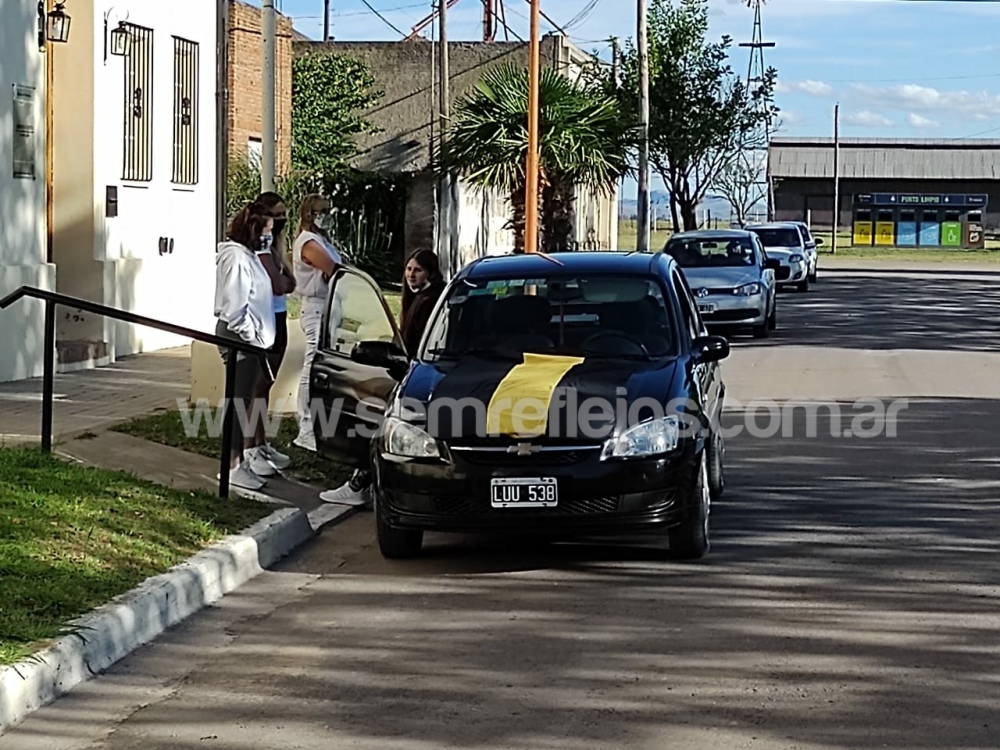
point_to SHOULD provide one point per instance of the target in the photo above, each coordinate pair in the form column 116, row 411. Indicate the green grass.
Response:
column 167, row 428
column 72, row 538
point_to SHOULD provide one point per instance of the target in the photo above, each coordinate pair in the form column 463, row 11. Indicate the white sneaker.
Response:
column 257, row 463
column 241, row 476
column 276, row 458
column 306, row 441
column 344, row 495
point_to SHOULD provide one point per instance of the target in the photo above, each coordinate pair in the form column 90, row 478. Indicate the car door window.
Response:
column 357, row 314
column 689, row 308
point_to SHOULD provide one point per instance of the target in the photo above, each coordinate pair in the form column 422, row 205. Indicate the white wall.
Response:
column 177, row 287
column 22, row 201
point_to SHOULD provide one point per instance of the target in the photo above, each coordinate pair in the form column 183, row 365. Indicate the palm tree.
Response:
column 583, row 142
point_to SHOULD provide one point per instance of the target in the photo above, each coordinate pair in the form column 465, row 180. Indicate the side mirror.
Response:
column 710, row 348
column 382, row 354
column 819, row 241
column 773, row 263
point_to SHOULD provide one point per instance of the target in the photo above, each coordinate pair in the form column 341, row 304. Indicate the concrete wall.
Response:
column 117, row 260
column 23, row 257
column 245, row 82
column 794, row 198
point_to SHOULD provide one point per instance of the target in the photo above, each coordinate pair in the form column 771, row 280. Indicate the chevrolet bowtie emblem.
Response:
column 523, row 449
column 703, row 292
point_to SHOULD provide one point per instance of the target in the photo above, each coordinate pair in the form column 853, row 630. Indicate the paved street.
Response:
column 849, row 600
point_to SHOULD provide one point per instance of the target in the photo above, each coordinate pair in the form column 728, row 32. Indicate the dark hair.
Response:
column 248, row 225
column 428, row 260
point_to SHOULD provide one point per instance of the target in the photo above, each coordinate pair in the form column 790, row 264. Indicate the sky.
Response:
column 898, row 68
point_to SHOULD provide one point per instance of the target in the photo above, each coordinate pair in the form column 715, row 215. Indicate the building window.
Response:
column 186, row 77
column 138, row 166
column 24, row 133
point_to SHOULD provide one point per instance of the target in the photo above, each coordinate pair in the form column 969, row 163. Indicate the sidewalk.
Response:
column 88, row 402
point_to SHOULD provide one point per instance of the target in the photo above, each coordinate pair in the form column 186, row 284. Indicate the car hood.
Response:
column 713, row 278
column 454, row 398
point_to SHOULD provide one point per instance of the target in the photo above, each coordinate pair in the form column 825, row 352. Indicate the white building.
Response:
column 132, row 220
column 23, row 260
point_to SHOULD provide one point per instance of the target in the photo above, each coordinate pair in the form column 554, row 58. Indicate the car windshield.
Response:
column 699, row 252
column 778, row 237
column 624, row 317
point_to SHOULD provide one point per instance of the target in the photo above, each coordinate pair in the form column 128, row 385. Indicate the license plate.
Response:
column 519, row 492
column 706, row 308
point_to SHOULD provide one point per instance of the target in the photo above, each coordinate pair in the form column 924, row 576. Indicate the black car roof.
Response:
column 542, row 265
column 712, row 234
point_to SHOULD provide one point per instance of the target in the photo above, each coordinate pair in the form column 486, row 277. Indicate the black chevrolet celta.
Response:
column 572, row 394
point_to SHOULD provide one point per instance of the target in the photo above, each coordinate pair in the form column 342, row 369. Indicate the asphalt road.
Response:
column 849, row 600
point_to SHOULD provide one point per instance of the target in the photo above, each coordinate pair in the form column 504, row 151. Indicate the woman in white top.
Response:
column 244, row 306
column 314, row 261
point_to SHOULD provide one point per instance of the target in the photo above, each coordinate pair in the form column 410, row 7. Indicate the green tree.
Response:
column 582, row 139
column 702, row 115
column 330, row 94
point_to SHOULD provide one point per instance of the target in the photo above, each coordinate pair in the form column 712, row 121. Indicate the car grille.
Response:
column 729, row 315
column 463, row 506
column 502, row 458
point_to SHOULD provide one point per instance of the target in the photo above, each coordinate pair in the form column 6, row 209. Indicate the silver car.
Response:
column 784, row 242
column 812, row 248
column 732, row 278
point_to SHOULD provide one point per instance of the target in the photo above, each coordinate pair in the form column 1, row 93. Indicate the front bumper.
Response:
column 594, row 497
column 731, row 309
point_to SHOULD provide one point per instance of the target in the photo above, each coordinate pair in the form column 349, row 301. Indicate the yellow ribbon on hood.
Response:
column 520, row 404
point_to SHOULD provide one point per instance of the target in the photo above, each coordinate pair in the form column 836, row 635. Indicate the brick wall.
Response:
column 246, row 82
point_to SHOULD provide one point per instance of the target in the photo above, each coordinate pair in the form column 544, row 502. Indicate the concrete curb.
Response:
column 109, row 633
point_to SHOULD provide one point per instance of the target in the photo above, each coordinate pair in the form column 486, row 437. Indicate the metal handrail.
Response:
column 52, row 299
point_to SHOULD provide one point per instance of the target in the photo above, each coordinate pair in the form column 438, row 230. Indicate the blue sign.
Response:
column 930, row 233
column 906, row 233
column 956, row 200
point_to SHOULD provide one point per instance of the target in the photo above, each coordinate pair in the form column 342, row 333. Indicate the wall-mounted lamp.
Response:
column 52, row 26
column 120, row 37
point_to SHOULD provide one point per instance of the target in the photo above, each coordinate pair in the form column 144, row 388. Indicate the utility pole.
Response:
column 836, row 176
column 267, row 134
column 326, row 21
column 444, row 113
column 531, row 172
column 642, row 41
column 615, row 58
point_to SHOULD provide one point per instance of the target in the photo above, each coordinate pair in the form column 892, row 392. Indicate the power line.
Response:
column 384, row 20
column 355, row 13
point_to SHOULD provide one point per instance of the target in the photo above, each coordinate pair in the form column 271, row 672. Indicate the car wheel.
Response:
column 814, row 276
column 762, row 331
column 393, row 543
column 689, row 540
column 716, row 466
column 772, row 319
column 803, row 286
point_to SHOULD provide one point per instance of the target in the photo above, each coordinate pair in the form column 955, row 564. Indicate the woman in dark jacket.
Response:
column 422, row 285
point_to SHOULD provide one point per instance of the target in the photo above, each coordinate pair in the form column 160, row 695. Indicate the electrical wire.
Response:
column 356, row 13
column 382, row 18
column 583, row 15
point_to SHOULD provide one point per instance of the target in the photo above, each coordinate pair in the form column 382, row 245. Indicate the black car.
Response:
column 607, row 349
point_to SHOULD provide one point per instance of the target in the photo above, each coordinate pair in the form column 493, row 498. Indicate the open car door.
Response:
column 359, row 361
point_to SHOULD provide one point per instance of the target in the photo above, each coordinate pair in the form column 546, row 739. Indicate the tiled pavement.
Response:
column 93, row 400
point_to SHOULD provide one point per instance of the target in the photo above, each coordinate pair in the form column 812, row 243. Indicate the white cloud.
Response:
column 912, row 96
column 812, row 88
column 867, row 119
column 921, row 122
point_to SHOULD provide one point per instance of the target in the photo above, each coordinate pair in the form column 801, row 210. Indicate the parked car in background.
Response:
column 732, row 277
column 784, row 242
column 812, row 248
column 571, row 330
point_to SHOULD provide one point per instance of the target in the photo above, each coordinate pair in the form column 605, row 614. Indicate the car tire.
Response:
column 717, row 465
column 814, row 276
column 393, row 543
column 772, row 319
column 762, row 331
column 803, row 286
column 689, row 540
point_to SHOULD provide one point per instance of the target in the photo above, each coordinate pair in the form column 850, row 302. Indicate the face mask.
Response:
column 325, row 222
column 279, row 224
column 420, row 288
column 266, row 240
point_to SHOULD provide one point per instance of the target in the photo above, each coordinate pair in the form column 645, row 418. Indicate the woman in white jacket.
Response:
column 244, row 306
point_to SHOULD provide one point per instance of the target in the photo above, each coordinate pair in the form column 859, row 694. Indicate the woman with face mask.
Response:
column 422, row 286
column 244, row 306
column 282, row 284
column 314, row 261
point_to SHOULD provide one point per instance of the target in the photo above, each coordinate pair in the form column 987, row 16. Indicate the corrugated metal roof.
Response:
column 909, row 159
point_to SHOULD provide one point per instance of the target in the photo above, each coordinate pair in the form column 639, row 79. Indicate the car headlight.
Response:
column 647, row 439
column 407, row 439
column 747, row 290
column 796, row 258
